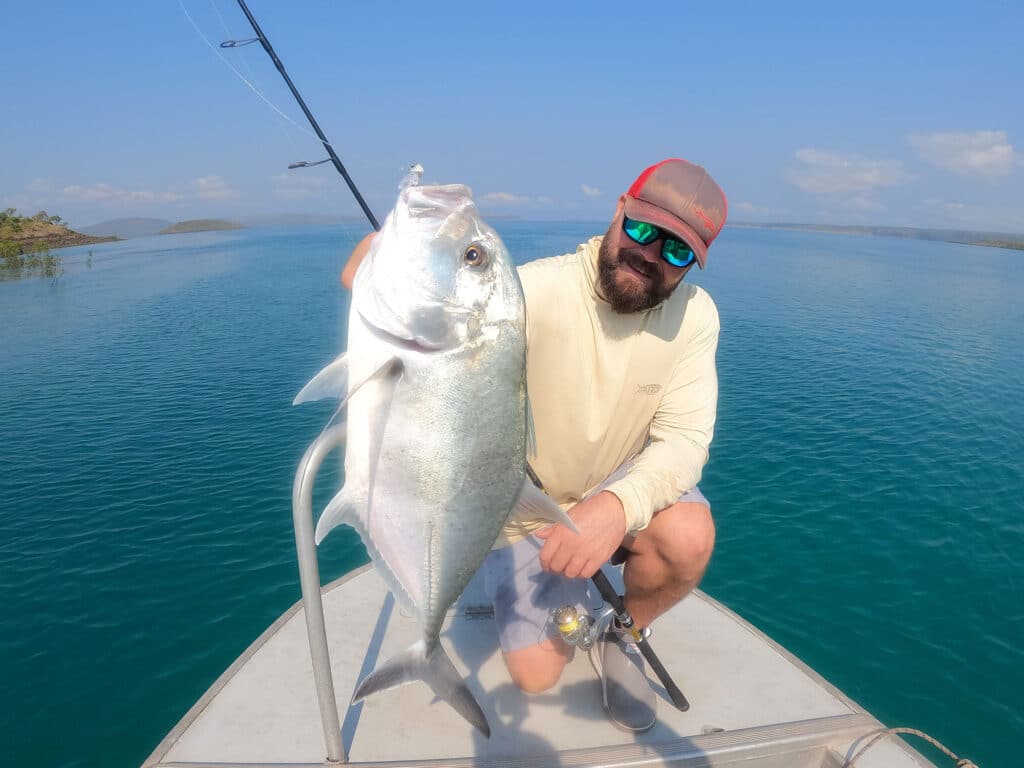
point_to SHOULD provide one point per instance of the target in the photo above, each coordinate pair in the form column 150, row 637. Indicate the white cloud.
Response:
column 984, row 153
column 822, row 172
column 751, row 209
column 506, row 198
column 146, row 196
column 102, row 191
column 91, row 193
column 589, row 191
column 212, row 188
column 297, row 186
column 513, row 200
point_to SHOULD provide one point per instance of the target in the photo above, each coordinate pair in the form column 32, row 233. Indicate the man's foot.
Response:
column 629, row 699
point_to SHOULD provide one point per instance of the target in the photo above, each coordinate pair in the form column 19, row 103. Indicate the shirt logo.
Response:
column 648, row 389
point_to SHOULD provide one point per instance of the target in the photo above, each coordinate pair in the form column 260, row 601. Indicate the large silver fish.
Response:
column 434, row 381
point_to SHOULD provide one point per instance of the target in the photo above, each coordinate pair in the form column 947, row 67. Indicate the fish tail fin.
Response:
column 433, row 667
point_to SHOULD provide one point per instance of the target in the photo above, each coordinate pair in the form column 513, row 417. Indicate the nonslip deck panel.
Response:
column 264, row 711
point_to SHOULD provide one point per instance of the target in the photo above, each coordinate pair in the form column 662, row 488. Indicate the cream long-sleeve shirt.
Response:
column 606, row 388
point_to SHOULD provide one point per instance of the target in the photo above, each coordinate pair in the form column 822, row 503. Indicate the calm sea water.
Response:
column 866, row 474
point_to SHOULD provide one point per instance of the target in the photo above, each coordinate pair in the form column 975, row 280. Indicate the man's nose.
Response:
column 652, row 251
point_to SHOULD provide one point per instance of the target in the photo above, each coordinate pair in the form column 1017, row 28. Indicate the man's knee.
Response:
column 683, row 536
column 699, row 544
column 537, row 668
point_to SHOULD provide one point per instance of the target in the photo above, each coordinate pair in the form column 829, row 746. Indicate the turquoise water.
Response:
column 866, row 474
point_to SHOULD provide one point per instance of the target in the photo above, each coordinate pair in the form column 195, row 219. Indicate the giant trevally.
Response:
column 437, row 422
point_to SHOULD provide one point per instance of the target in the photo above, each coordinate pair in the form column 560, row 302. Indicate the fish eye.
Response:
column 475, row 255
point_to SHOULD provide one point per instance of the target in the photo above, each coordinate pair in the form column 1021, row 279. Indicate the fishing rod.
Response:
column 626, row 622
column 332, row 156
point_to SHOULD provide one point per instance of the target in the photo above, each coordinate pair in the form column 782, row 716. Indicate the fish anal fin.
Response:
column 434, row 668
column 341, row 510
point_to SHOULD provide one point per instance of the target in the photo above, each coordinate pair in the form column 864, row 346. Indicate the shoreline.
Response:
column 960, row 237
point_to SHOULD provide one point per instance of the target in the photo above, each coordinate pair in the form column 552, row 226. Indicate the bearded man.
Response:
column 623, row 387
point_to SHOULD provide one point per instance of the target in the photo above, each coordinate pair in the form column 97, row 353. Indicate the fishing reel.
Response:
column 580, row 629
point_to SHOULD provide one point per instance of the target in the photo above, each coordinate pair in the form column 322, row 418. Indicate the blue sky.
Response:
column 901, row 113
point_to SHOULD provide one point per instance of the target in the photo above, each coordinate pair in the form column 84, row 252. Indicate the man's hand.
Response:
column 348, row 274
column 602, row 525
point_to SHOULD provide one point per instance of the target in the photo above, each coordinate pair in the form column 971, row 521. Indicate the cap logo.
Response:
column 705, row 218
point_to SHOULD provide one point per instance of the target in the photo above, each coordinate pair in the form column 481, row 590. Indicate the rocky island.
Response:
column 21, row 235
column 200, row 225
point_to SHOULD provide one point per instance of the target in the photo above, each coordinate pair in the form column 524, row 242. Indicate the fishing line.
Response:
column 229, row 65
column 249, row 71
column 262, row 38
column 248, row 81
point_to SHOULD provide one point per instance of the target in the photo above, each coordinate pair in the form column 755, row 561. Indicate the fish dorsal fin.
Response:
column 534, row 504
column 331, row 381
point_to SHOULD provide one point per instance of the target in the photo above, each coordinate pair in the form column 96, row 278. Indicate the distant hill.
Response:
column 200, row 225
column 125, row 228
column 964, row 237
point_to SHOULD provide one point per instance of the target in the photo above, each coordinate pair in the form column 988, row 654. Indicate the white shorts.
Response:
column 524, row 595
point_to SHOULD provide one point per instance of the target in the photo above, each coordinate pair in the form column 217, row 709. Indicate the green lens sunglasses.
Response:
column 674, row 251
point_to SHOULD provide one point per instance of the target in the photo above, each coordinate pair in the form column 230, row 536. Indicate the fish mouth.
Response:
column 412, row 345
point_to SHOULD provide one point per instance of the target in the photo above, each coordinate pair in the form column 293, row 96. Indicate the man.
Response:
column 623, row 389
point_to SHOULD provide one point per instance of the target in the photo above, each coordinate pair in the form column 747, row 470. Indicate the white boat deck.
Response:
column 750, row 701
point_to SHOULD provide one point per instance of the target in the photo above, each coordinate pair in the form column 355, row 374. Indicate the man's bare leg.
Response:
column 668, row 559
column 537, row 668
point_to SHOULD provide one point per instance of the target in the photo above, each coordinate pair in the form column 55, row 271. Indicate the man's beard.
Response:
column 628, row 298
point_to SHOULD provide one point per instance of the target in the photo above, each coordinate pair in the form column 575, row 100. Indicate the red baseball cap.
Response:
column 683, row 199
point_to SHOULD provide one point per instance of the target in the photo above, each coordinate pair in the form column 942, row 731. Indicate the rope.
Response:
column 960, row 762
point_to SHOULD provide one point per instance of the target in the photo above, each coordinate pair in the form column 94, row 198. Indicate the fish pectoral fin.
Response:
column 434, row 668
column 331, row 381
column 534, row 504
column 341, row 510
column 531, row 432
